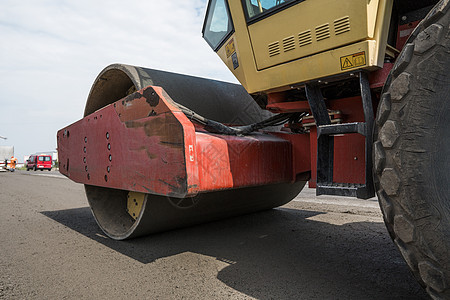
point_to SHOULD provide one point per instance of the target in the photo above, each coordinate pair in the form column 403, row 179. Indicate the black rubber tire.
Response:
column 411, row 152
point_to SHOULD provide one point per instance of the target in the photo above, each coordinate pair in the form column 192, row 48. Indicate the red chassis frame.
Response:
column 144, row 143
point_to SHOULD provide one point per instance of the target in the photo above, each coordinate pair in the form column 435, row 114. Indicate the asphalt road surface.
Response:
column 311, row 248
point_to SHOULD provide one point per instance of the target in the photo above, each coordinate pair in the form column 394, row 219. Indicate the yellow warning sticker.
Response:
column 229, row 48
column 353, row 60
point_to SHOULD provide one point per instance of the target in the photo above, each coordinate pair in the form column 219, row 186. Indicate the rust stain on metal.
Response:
column 155, row 127
column 177, row 190
column 134, row 110
column 151, row 155
column 171, row 144
column 131, row 97
column 147, row 151
column 142, row 104
column 151, row 97
column 164, row 126
column 167, row 128
column 150, row 191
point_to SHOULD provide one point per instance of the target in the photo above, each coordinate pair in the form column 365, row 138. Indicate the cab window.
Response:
column 254, row 9
column 218, row 25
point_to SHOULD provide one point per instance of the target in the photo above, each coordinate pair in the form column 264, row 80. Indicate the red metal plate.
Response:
column 144, row 143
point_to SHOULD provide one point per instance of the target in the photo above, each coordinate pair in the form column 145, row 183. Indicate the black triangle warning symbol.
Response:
column 347, row 64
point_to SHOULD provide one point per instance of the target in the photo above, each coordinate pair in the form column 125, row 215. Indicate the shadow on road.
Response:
column 278, row 254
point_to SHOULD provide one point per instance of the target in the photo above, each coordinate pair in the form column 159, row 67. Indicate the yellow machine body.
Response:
column 304, row 41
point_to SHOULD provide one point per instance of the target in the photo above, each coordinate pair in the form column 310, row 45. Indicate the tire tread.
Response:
column 396, row 181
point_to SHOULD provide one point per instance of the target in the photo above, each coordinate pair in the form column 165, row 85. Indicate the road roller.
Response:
column 348, row 96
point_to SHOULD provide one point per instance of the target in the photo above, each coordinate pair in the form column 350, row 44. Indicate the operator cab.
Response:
column 307, row 40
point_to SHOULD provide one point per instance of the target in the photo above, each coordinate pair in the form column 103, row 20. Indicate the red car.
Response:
column 40, row 162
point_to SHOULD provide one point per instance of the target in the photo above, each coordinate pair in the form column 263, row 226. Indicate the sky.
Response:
column 51, row 51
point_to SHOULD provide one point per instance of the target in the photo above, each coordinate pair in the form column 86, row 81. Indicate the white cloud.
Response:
column 51, row 51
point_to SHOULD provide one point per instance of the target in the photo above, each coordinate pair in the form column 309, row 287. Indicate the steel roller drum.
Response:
column 219, row 101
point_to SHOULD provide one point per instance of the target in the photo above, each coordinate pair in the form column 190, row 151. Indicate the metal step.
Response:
column 344, row 189
column 356, row 127
column 325, row 141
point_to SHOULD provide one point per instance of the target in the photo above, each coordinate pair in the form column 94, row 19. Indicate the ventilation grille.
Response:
column 304, row 38
column 289, row 43
column 274, row 49
column 322, row 32
column 341, row 25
